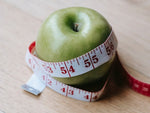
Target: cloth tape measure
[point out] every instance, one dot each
(43, 72)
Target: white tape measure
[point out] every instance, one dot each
(44, 71)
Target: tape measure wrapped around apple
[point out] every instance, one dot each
(72, 32)
(75, 46)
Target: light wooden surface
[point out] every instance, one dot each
(19, 24)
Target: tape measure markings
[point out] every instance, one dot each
(67, 69)
(56, 85)
(103, 52)
(44, 71)
(73, 92)
(138, 86)
(90, 60)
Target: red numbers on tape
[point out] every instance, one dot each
(95, 59)
(49, 82)
(48, 68)
(109, 47)
(71, 69)
(64, 71)
(44, 78)
(31, 63)
(86, 97)
(69, 91)
(88, 63)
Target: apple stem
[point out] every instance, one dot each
(76, 26)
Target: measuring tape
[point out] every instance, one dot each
(137, 85)
(45, 71)
(77, 66)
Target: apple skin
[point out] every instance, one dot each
(72, 32)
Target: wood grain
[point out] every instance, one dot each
(19, 25)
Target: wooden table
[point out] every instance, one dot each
(19, 24)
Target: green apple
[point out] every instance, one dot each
(72, 32)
